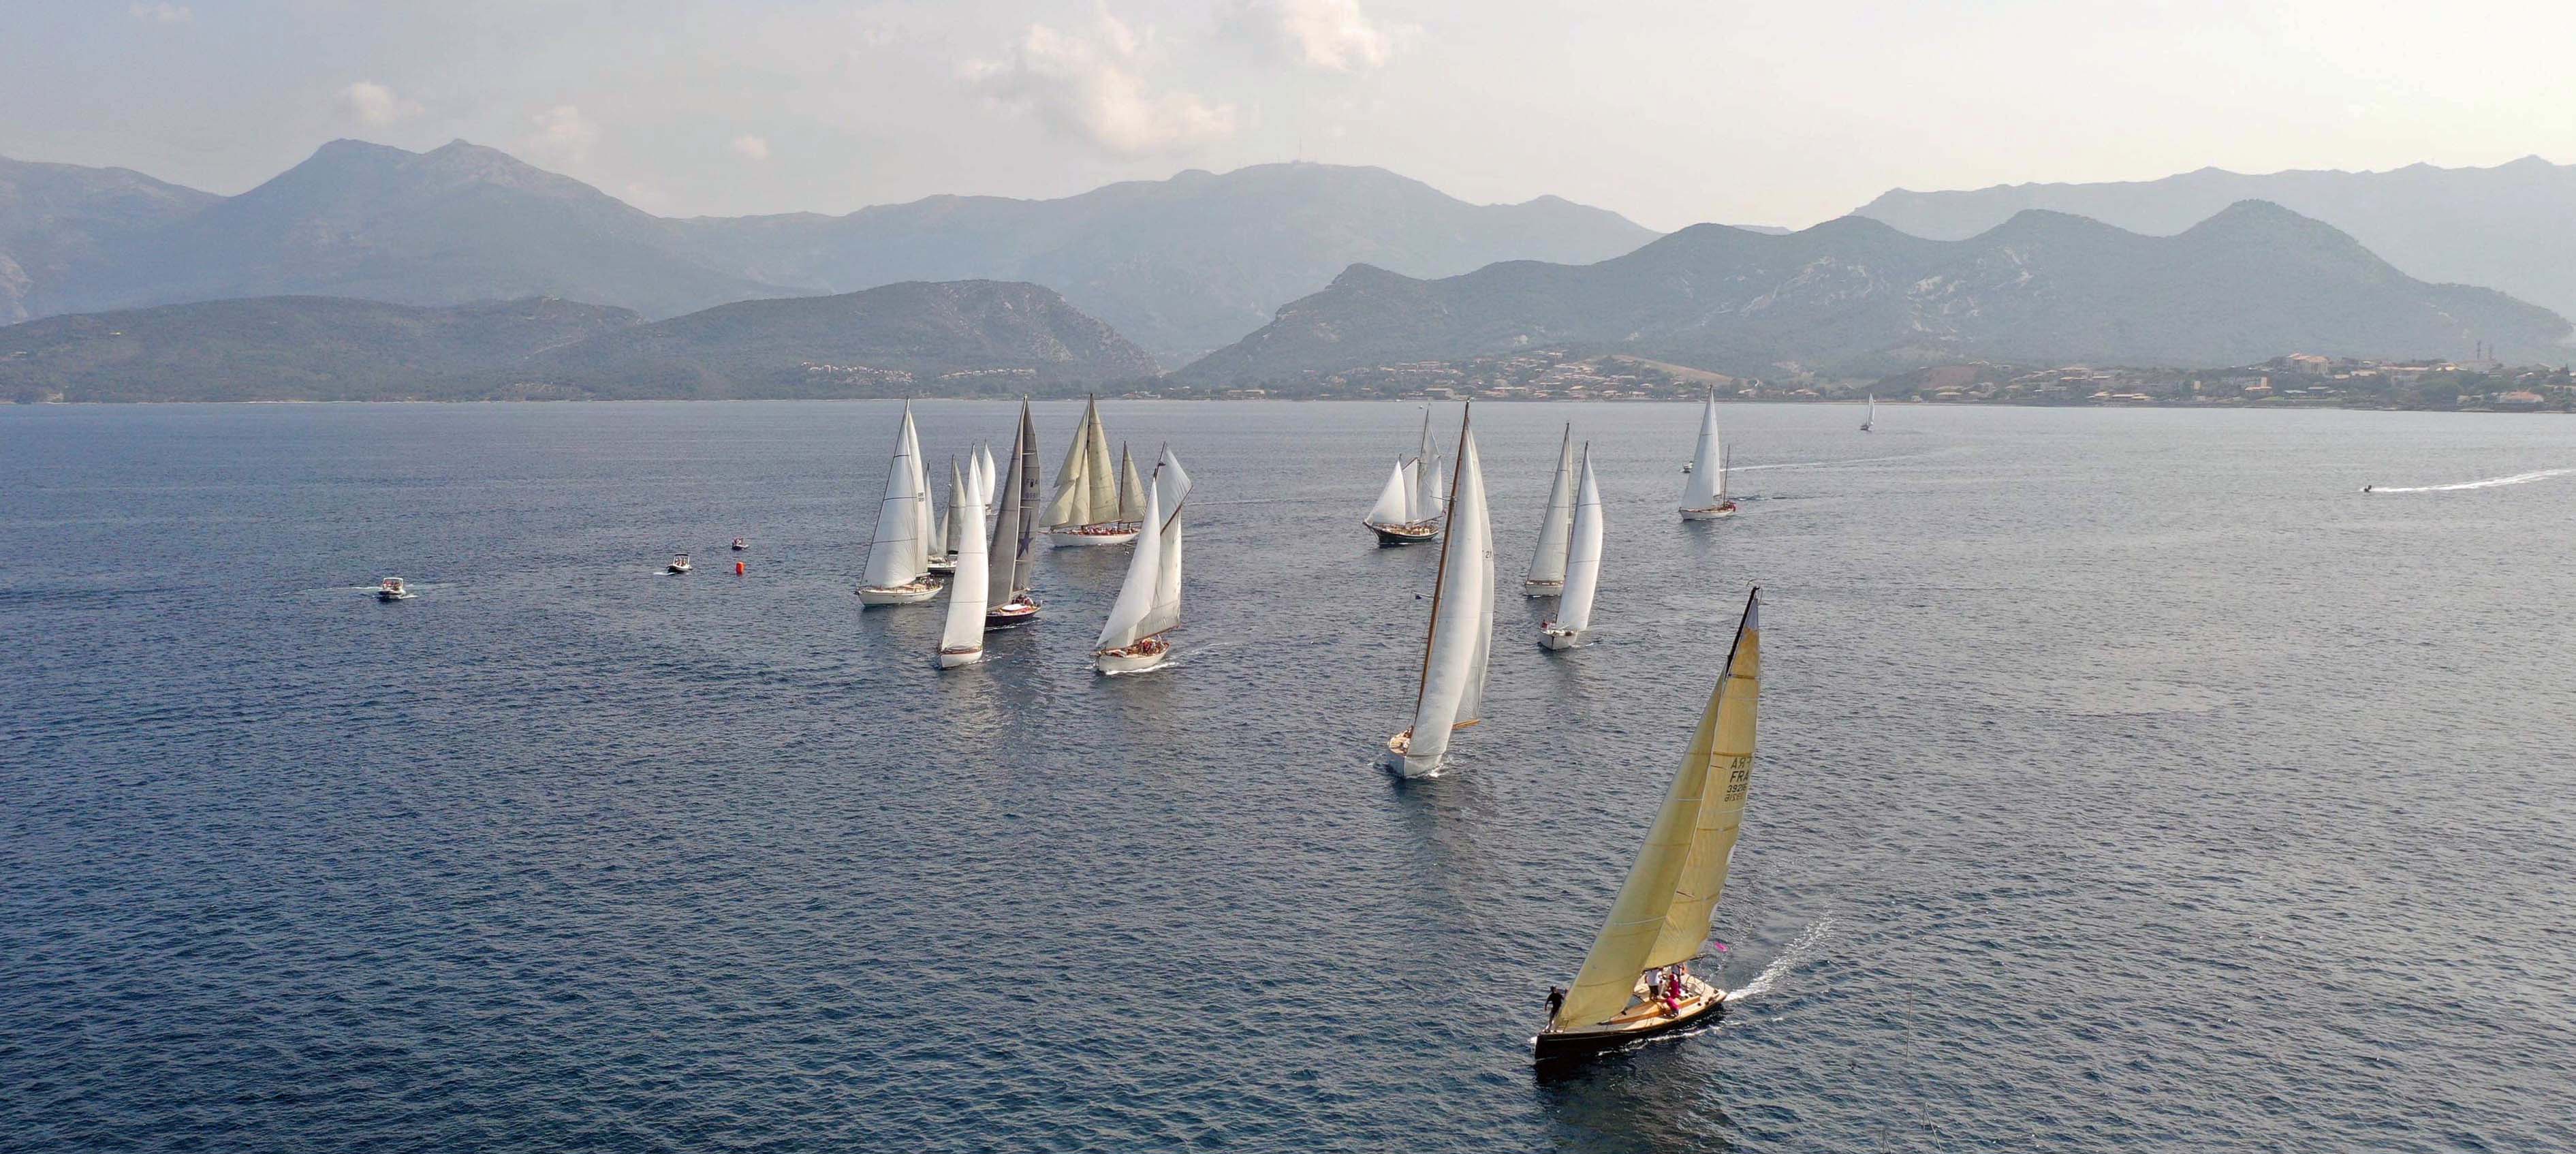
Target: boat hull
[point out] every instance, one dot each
(1563, 1045)
(1080, 539)
(943, 566)
(677, 568)
(1554, 638)
(951, 659)
(394, 596)
(1712, 513)
(1011, 614)
(912, 594)
(1399, 755)
(1403, 534)
(1120, 661)
(1537, 588)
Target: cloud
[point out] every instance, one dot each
(1329, 34)
(751, 147)
(562, 134)
(162, 13)
(1086, 85)
(376, 104)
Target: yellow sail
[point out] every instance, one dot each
(1721, 812)
(1630, 940)
(1071, 504)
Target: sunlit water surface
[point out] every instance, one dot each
(2127, 780)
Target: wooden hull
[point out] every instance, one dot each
(1712, 513)
(1089, 538)
(1565, 1045)
(1010, 614)
(1403, 534)
(1399, 754)
(1123, 661)
(1554, 638)
(1536, 588)
(912, 594)
(943, 566)
(951, 659)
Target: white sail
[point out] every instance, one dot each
(895, 554)
(1871, 417)
(1707, 483)
(1131, 489)
(1175, 488)
(1127, 615)
(1583, 562)
(964, 626)
(1684, 858)
(1071, 504)
(1547, 563)
(1395, 501)
(926, 530)
(1428, 476)
(987, 482)
(1453, 659)
(951, 525)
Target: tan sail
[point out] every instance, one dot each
(1631, 941)
(1131, 488)
(1071, 504)
(1099, 476)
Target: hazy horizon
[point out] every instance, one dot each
(1670, 116)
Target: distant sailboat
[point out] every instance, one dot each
(1704, 495)
(1395, 518)
(1013, 557)
(1660, 920)
(1547, 564)
(943, 550)
(1149, 602)
(1871, 417)
(898, 570)
(1573, 623)
(961, 633)
(1450, 695)
(1085, 508)
(988, 482)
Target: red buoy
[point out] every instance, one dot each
(737, 568)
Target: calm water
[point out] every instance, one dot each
(2127, 781)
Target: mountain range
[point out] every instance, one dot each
(1183, 265)
(1856, 296)
(2506, 227)
(893, 340)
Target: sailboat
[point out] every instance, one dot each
(1547, 564)
(1871, 417)
(1704, 495)
(1149, 602)
(898, 571)
(1573, 623)
(985, 482)
(1084, 510)
(943, 548)
(1660, 920)
(1013, 556)
(961, 633)
(1395, 518)
(1450, 695)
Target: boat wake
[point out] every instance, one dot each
(1734, 468)
(2489, 483)
(1798, 951)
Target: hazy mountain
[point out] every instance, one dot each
(1855, 295)
(54, 217)
(286, 348)
(895, 340)
(2505, 227)
(458, 223)
(1181, 265)
(1184, 264)
(898, 340)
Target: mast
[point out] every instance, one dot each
(1686, 846)
(1583, 564)
(1547, 563)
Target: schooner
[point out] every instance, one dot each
(898, 570)
(1013, 555)
(1573, 623)
(1086, 508)
(1450, 694)
(1408, 509)
(1704, 495)
(1547, 563)
(1149, 602)
(1636, 982)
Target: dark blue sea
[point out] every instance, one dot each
(2127, 780)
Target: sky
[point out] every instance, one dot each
(1670, 111)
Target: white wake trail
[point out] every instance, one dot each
(1798, 951)
(2489, 483)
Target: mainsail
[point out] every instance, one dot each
(1662, 913)
(1014, 557)
(1428, 491)
(1707, 483)
(1452, 689)
(925, 531)
(1547, 563)
(1583, 563)
(963, 629)
(895, 553)
(1175, 484)
(1127, 615)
